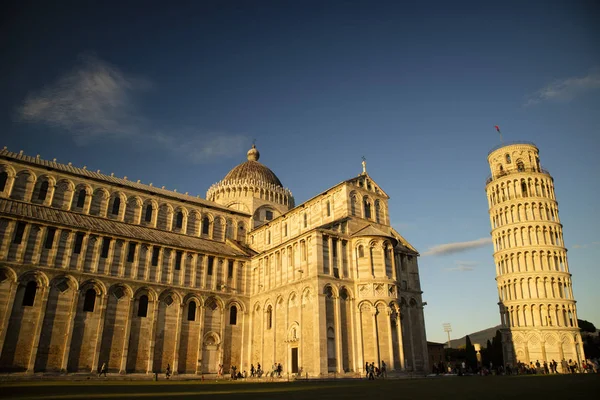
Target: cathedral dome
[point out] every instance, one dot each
(252, 170)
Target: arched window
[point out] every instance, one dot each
(43, 191)
(269, 317)
(378, 212)
(367, 208)
(89, 301)
(30, 291)
(520, 166)
(116, 206)
(205, 225)
(353, 205)
(508, 160)
(148, 214)
(361, 251)
(233, 315)
(143, 307)
(179, 221)
(524, 188)
(81, 198)
(3, 179)
(192, 311)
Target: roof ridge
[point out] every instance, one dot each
(114, 180)
(102, 225)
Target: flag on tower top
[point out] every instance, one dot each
(497, 128)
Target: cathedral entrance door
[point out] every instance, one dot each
(294, 360)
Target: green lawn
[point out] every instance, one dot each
(564, 387)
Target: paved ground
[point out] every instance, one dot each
(564, 387)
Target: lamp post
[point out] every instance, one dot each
(447, 329)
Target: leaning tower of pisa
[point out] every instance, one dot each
(537, 307)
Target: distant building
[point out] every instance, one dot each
(537, 306)
(436, 353)
(95, 268)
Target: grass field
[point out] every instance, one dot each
(563, 387)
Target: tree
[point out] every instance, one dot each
(497, 353)
(586, 326)
(471, 354)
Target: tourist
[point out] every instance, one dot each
(168, 371)
(383, 369)
(252, 370)
(103, 370)
(546, 370)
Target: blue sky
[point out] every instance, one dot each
(175, 93)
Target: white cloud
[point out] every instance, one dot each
(457, 247)
(566, 89)
(585, 246)
(463, 266)
(98, 100)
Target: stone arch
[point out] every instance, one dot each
(34, 275)
(149, 213)
(23, 184)
(347, 291)
(164, 216)
(218, 231)
(307, 295)
(166, 293)
(180, 218)
(63, 194)
(146, 290)
(61, 280)
(355, 209)
(133, 209)
(241, 231)
(82, 197)
(7, 273)
(217, 301)
(43, 190)
(116, 205)
(193, 223)
(99, 202)
(330, 290)
(236, 302)
(365, 306)
(211, 337)
(116, 288)
(367, 205)
(193, 297)
(206, 226)
(292, 299)
(95, 284)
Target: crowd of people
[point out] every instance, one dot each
(537, 367)
(373, 372)
(255, 372)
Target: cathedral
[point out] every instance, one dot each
(98, 269)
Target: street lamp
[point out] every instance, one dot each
(447, 329)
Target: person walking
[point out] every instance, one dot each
(168, 371)
(103, 370)
(252, 370)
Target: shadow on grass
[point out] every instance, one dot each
(463, 388)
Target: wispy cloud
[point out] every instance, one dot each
(566, 89)
(98, 100)
(585, 246)
(456, 247)
(462, 266)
